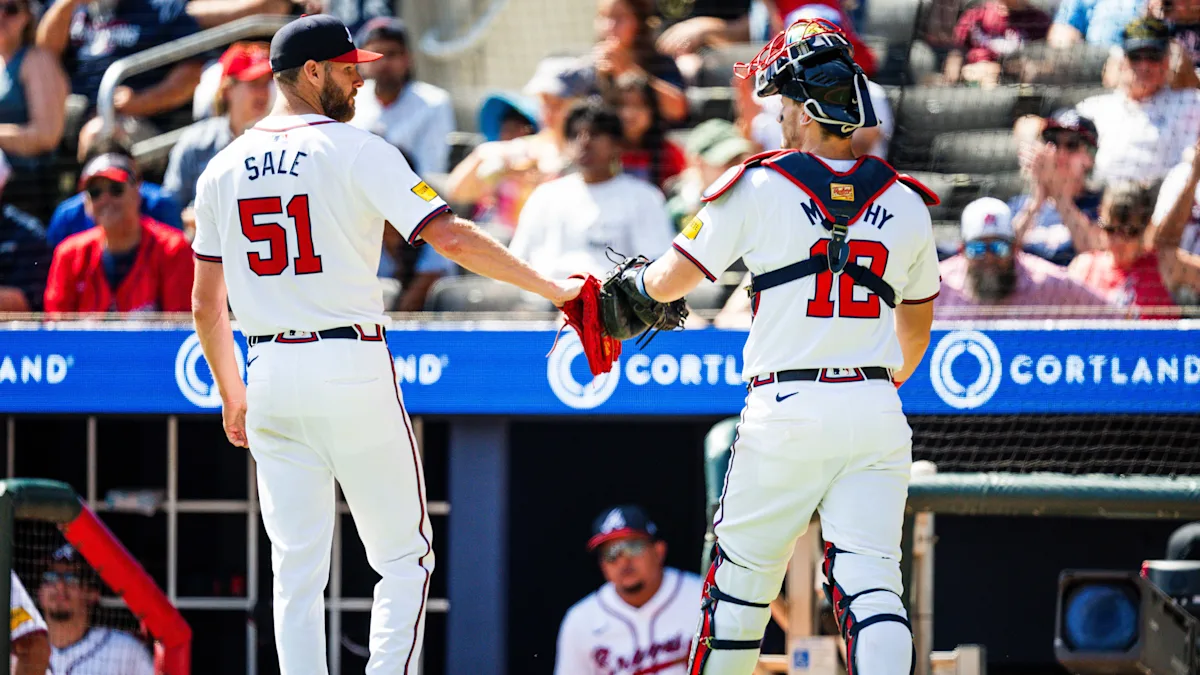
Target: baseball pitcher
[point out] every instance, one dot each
(289, 229)
(844, 274)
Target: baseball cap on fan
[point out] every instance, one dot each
(315, 37)
(1069, 119)
(620, 522)
(245, 62)
(112, 166)
(1145, 33)
(560, 76)
(987, 217)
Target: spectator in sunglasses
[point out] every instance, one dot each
(129, 263)
(1126, 271)
(69, 591)
(71, 217)
(643, 618)
(990, 273)
(1182, 19)
(1053, 219)
(1144, 126)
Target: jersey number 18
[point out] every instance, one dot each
(307, 262)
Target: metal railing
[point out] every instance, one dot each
(257, 26)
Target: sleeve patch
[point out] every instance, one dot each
(425, 192)
(18, 616)
(693, 228)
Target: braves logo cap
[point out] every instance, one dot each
(987, 217)
(316, 37)
(620, 522)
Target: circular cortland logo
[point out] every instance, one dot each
(564, 385)
(201, 392)
(941, 369)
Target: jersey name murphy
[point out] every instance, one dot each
(875, 214)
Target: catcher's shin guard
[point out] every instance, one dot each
(733, 649)
(865, 593)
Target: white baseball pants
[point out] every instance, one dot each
(324, 411)
(843, 450)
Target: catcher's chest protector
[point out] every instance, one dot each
(842, 198)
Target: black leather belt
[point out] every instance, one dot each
(828, 375)
(355, 332)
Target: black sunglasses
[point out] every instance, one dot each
(113, 189)
(68, 578)
(1071, 142)
(1145, 55)
(631, 547)
(1131, 230)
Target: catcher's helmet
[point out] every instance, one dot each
(812, 63)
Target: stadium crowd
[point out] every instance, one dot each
(1074, 206)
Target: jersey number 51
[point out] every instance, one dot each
(307, 262)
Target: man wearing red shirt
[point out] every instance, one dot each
(130, 263)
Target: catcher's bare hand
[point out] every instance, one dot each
(566, 290)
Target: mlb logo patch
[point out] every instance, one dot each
(841, 192)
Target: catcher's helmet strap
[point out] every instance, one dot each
(862, 115)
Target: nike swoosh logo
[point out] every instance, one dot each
(251, 361)
(779, 398)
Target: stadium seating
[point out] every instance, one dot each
(924, 112)
(987, 151)
(473, 294)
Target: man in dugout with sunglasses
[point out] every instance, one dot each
(130, 262)
(68, 594)
(991, 273)
(642, 619)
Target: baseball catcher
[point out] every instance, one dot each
(606, 314)
(844, 271)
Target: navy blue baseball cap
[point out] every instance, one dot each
(621, 522)
(316, 37)
(1069, 119)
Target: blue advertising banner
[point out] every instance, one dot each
(447, 370)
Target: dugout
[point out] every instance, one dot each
(512, 497)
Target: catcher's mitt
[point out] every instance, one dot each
(627, 311)
(605, 314)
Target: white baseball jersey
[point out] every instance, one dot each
(103, 651)
(602, 635)
(23, 616)
(820, 321)
(295, 209)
